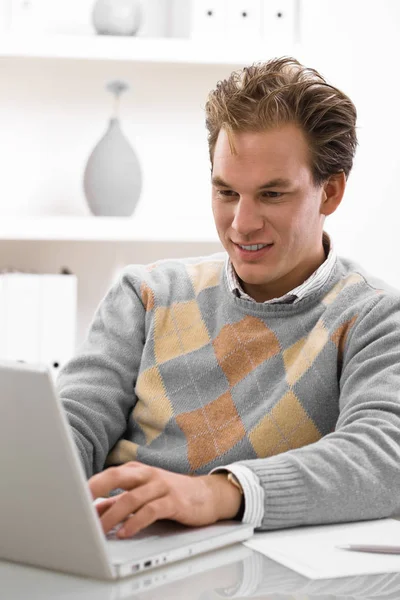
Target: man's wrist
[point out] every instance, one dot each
(227, 497)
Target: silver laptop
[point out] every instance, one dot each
(47, 515)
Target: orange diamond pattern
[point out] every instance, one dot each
(212, 430)
(339, 337)
(147, 296)
(242, 346)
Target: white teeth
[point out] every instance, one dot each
(253, 247)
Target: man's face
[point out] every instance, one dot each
(265, 195)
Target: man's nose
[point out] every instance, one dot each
(248, 217)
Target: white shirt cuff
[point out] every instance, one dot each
(252, 490)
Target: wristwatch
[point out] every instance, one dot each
(234, 481)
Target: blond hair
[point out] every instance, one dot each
(279, 92)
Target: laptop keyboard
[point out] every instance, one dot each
(141, 535)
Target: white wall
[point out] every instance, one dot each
(356, 44)
(53, 112)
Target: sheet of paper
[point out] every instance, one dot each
(313, 552)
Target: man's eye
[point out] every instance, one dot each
(226, 192)
(271, 194)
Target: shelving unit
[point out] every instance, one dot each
(146, 50)
(105, 50)
(105, 229)
(57, 86)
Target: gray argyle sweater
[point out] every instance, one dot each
(179, 373)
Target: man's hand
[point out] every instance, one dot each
(152, 494)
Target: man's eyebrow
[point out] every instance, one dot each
(216, 180)
(279, 182)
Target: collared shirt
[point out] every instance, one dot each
(252, 489)
(311, 285)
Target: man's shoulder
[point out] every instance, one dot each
(358, 282)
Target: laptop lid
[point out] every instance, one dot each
(48, 518)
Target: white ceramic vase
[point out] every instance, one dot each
(117, 17)
(113, 177)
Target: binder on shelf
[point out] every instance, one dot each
(244, 19)
(57, 316)
(209, 18)
(278, 22)
(21, 322)
(38, 318)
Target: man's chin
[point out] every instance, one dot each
(250, 273)
(251, 280)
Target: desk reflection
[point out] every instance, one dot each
(235, 572)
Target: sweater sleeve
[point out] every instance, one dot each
(97, 385)
(352, 473)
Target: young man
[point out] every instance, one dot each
(263, 383)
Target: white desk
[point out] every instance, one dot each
(235, 572)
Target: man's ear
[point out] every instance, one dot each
(332, 193)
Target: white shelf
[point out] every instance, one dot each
(147, 50)
(113, 229)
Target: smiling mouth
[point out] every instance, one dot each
(253, 247)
